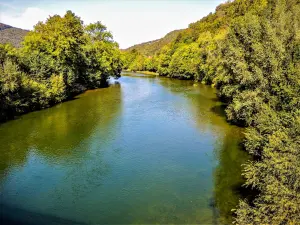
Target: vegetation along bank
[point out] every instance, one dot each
(57, 60)
(250, 51)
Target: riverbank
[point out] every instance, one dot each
(143, 72)
(45, 71)
(9, 114)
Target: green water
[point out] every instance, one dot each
(146, 150)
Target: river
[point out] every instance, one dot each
(146, 150)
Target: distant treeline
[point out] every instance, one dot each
(57, 60)
(250, 51)
(152, 47)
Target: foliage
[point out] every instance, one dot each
(98, 31)
(250, 51)
(270, 73)
(152, 47)
(185, 62)
(58, 59)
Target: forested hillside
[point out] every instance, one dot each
(58, 59)
(152, 47)
(250, 51)
(12, 35)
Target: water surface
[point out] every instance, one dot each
(146, 150)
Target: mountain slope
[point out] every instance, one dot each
(12, 35)
(152, 47)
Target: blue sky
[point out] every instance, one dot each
(130, 21)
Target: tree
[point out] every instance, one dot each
(55, 47)
(58, 59)
(98, 32)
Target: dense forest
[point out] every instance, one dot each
(249, 51)
(57, 60)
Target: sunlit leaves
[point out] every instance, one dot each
(59, 58)
(249, 50)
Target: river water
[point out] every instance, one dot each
(146, 150)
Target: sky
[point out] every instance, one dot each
(130, 21)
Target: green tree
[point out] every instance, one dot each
(98, 32)
(58, 59)
(56, 47)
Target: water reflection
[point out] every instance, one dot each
(227, 176)
(208, 113)
(55, 132)
(57, 153)
(154, 151)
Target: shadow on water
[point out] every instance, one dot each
(55, 144)
(209, 115)
(219, 110)
(56, 131)
(228, 178)
(63, 150)
(15, 216)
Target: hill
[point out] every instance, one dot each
(4, 26)
(151, 47)
(9, 34)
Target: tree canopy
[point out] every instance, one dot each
(249, 50)
(58, 59)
